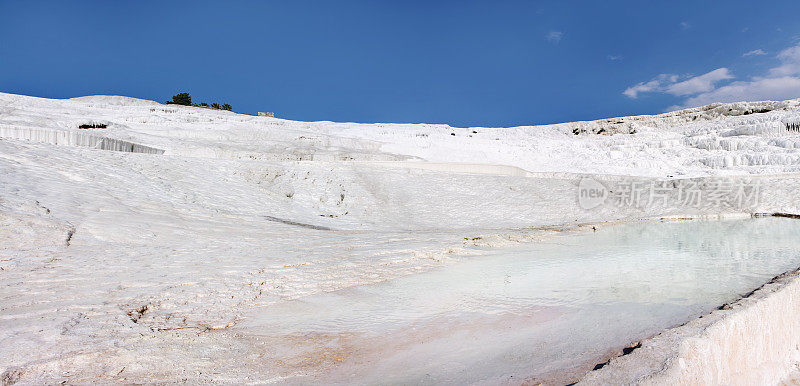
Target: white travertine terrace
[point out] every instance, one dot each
(122, 267)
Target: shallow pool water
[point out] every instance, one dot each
(540, 312)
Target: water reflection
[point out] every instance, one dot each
(544, 311)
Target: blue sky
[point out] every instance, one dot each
(464, 63)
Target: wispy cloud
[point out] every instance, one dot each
(554, 36)
(698, 84)
(614, 58)
(668, 83)
(684, 25)
(790, 62)
(754, 53)
(655, 84)
(780, 82)
(754, 90)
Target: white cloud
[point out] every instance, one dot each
(790, 62)
(668, 83)
(754, 53)
(633, 91)
(755, 90)
(685, 25)
(554, 36)
(655, 84)
(698, 84)
(614, 58)
(780, 82)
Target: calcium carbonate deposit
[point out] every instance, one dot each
(165, 243)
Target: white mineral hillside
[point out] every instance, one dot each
(130, 253)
